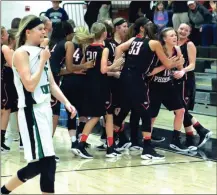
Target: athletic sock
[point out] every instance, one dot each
(110, 141)
(83, 138)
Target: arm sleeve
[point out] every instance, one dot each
(166, 17)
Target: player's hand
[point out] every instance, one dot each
(45, 54)
(71, 109)
(117, 74)
(178, 74)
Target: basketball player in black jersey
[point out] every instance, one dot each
(97, 99)
(6, 86)
(61, 55)
(163, 91)
(185, 81)
(73, 88)
(112, 41)
(141, 55)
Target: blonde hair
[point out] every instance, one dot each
(21, 36)
(2, 29)
(84, 37)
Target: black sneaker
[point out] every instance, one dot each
(150, 153)
(81, 151)
(205, 135)
(102, 147)
(177, 145)
(190, 142)
(4, 148)
(136, 147)
(157, 139)
(123, 146)
(112, 152)
(74, 144)
(57, 159)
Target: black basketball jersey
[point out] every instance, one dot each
(140, 57)
(111, 44)
(164, 76)
(94, 52)
(189, 75)
(57, 58)
(6, 72)
(78, 54)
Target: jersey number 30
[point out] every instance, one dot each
(135, 48)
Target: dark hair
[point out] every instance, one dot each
(15, 23)
(135, 28)
(60, 32)
(109, 29)
(158, 3)
(151, 31)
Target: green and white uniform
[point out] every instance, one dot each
(35, 114)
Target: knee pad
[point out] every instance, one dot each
(29, 172)
(187, 120)
(48, 169)
(72, 123)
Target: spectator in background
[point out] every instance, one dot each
(210, 29)
(180, 13)
(56, 13)
(138, 9)
(72, 23)
(93, 8)
(200, 18)
(160, 16)
(15, 23)
(47, 26)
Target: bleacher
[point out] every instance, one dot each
(206, 80)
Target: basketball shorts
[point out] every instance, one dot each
(36, 126)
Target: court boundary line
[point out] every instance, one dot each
(121, 167)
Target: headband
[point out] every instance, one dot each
(120, 22)
(33, 24)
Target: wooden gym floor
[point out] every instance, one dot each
(129, 174)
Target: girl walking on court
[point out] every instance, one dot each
(35, 84)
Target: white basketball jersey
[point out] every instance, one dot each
(42, 90)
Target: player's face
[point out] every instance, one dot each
(4, 37)
(36, 35)
(69, 37)
(171, 38)
(123, 29)
(184, 31)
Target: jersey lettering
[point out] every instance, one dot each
(113, 46)
(91, 55)
(45, 89)
(167, 73)
(135, 48)
(53, 48)
(76, 55)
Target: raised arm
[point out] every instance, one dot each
(21, 62)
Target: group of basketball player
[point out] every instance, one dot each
(109, 71)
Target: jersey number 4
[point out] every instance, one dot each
(135, 48)
(76, 55)
(91, 55)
